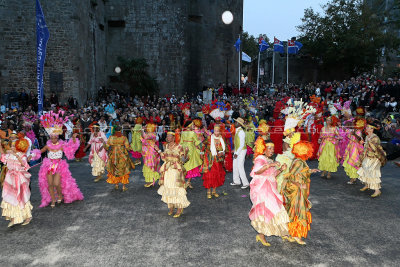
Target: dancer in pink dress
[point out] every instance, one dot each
(268, 215)
(54, 172)
(15, 204)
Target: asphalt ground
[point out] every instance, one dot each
(132, 228)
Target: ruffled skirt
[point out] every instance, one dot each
(327, 159)
(193, 173)
(69, 187)
(215, 177)
(18, 214)
(124, 179)
(228, 162)
(150, 176)
(277, 226)
(172, 194)
(370, 173)
(136, 155)
(300, 228)
(98, 165)
(350, 170)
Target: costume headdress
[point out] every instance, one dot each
(218, 110)
(303, 150)
(29, 118)
(151, 127)
(22, 145)
(139, 120)
(263, 127)
(53, 122)
(198, 123)
(295, 112)
(185, 108)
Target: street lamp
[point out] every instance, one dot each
(117, 70)
(227, 17)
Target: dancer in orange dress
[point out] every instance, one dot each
(119, 164)
(296, 189)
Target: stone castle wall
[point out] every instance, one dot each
(184, 41)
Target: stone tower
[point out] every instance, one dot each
(184, 41)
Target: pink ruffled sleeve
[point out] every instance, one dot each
(36, 154)
(69, 148)
(258, 164)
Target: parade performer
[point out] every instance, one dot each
(229, 131)
(7, 142)
(372, 158)
(136, 143)
(82, 139)
(172, 181)
(16, 206)
(119, 164)
(268, 215)
(190, 143)
(213, 163)
(151, 159)
(328, 154)
(54, 171)
(98, 155)
(296, 190)
(352, 153)
(250, 136)
(239, 174)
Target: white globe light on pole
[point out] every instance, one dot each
(117, 70)
(227, 17)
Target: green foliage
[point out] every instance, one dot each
(134, 74)
(250, 44)
(349, 35)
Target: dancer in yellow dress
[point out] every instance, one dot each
(172, 181)
(328, 154)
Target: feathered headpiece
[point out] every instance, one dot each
(295, 112)
(263, 127)
(53, 122)
(206, 109)
(29, 118)
(22, 145)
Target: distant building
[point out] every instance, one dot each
(185, 43)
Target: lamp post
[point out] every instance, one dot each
(227, 18)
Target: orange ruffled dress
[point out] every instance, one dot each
(296, 198)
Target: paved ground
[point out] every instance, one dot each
(133, 229)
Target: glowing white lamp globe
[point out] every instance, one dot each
(117, 69)
(227, 17)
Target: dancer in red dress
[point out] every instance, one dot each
(213, 165)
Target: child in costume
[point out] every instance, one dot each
(328, 153)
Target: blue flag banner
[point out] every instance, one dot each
(263, 45)
(237, 45)
(42, 36)
(294, 47)
(246, 57)
(278, 46)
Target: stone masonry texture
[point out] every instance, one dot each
(185, 43)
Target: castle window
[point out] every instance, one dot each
(195, 18)
(116, 23)
(101, 27)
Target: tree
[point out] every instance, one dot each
(134, 74)
(250, 44)
(347, 36)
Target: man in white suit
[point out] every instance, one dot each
(239, 174)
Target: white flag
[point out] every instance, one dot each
(246, 57)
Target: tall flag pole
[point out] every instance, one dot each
(238, 49)
(42, 36)
(278, 47)
(293, 47)
(287, 62)
(263, 45)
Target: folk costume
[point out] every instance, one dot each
(98, 155)
(268, 215)
(239, 174)
(172, 181)
(54, 164)
(151, 159)
(119, 164)
(16, 206)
